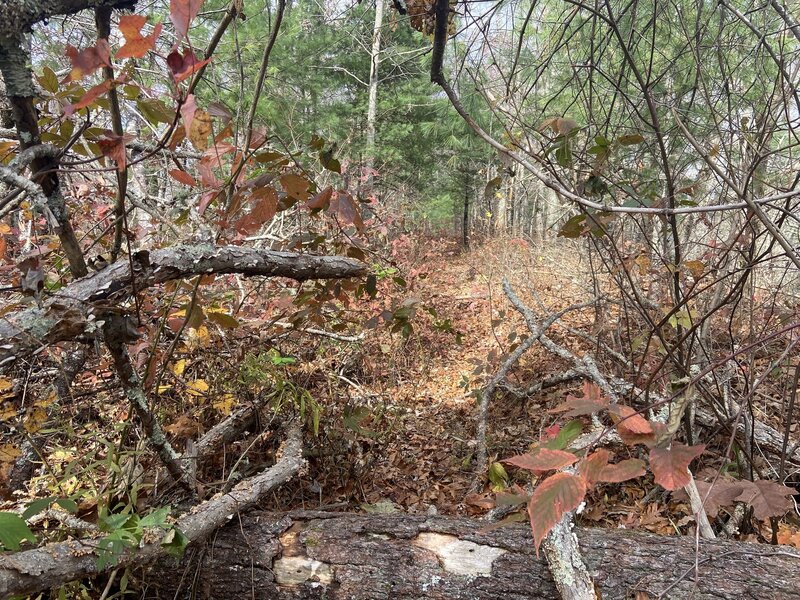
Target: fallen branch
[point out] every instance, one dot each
(33, 571)
(68, 313)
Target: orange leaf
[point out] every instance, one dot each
(671, 465)
(113, 146)
(555, 496)
(344, 206)
(542, 460)
(591, 467)
(629, 420)
(136, 44)
(265, 208)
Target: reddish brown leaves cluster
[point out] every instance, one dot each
(591, 403)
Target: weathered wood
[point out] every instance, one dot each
(336, 556)
(69, 312)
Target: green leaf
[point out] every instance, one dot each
(48, 80)
(498, 476)
(13, 530)
(155, 111)
(157, 518)
(566, 435)
(175, 542)
(573, 228)
(37, 506)
(68, 505)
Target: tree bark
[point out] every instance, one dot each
(67, 314)
(336, 556)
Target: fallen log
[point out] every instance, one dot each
(336, 556)
(68, 313)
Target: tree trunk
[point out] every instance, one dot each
(372, 105)
(337, 556)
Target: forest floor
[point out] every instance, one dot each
(420, 395)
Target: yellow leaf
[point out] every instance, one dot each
(6, 385)
(225, 404)
(198, 387)
(8, 453)
(200, 130)
(7, 411)
(163, 389)
(35, 419)
(179, 367)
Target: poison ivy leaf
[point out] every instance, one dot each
(183, 177)
(37, 506)
(671, 465)
(542, 460)
(574, 227)
(565, 436)
(155, 111)
(552, 498)
(87, 61)
(630, 140)
(591, 467)
(629, 421)
(296, 186)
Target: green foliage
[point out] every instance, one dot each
(264, 373)
(125, 530)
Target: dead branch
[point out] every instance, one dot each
(68, 313)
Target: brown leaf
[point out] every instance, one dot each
(344, 207)
(296, 186)
(183, 177)
(622, 471)
(768, 498)
(266, 205)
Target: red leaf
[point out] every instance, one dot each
(265, 208)
(182, 13)
(86, 61)
(622, 471)
(591, 467)
(184, 66)
(89, 97)
(671, 466)
(542, 459)
(183, 177)
(136, 44)
(552, 498)
(591, 402)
